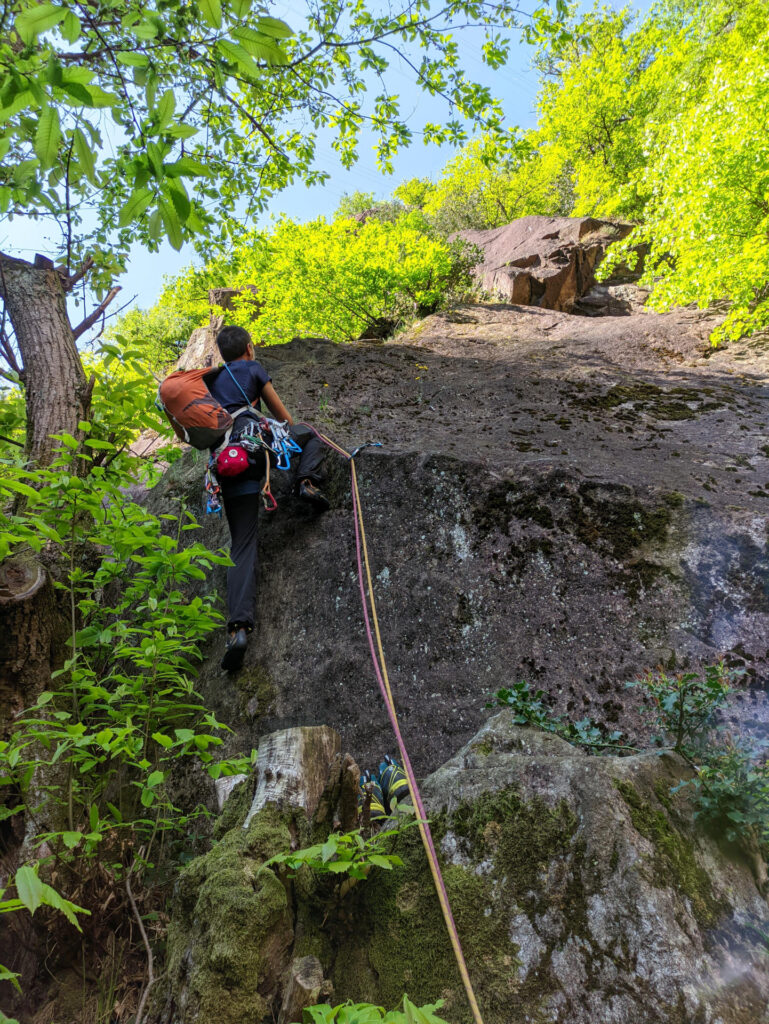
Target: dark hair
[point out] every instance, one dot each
(232, 342)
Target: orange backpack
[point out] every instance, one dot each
(196, 416)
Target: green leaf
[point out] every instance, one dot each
(47, 137)
(329, 848)
(85, 159)
(165, 107)
(171, 224)
(181, 131)
(35, 20)
(235, 54)
(155, 779)
(241, 7)
(162, 739)
(71, 839)
(211, 11)
(259, 45)
(6, 975)
(275, 28)
(380, 862)
(132, 60)
(186, 167)
(147, 798)
(137, 203)
(178, 195)
(338, 866)
(146, 30)
(70, 27)
(19, 488)
(29, 888)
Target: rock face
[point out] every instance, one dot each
(581, 895)
(580, 889)
(543, 261)
(564, 500)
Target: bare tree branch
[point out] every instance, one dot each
(70, 282)
(91, 319)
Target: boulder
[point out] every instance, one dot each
(612, 300)
(543, 261)
(581, 891)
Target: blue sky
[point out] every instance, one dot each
(515, 85)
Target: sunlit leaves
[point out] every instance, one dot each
(211, 11)
(202, 90)
(137, 203)
(38, 18)
(47, 137)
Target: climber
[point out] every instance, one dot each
(244, 378)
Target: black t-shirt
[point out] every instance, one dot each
(251, 378)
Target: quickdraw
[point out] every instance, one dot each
(259, 433)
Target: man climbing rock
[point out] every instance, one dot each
(244, 380)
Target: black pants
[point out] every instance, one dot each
(242, 511)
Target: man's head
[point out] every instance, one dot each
(233, 342)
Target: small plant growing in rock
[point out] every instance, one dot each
(685, 705)
(369, 1013)
(733, 785)
(529, 708)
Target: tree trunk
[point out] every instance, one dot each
(33, 635)
(57, 393)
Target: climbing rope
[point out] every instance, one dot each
(380, 669)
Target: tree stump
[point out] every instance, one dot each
(294, 767)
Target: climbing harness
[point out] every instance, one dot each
(380, 670)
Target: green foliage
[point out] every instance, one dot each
(705, 181)
(530, 708)
(335, 279)
(204, 98)
(685, 705)
(732, 787)
(97, 753)
(485, 186)
(368, 1013)
(160, 333)
(32, 893)
(347, 853)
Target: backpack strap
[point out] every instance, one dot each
(226, 439)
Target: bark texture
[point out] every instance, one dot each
(57, 393)
(33, 630)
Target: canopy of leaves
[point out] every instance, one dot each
(332, 280)
(662, 123)
(128, 120)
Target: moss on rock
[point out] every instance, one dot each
(232, 927)
(674, 861)
(503, 847)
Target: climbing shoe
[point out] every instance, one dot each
(369, 785)
(310, 492)
(235, 650)
(393, 781)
